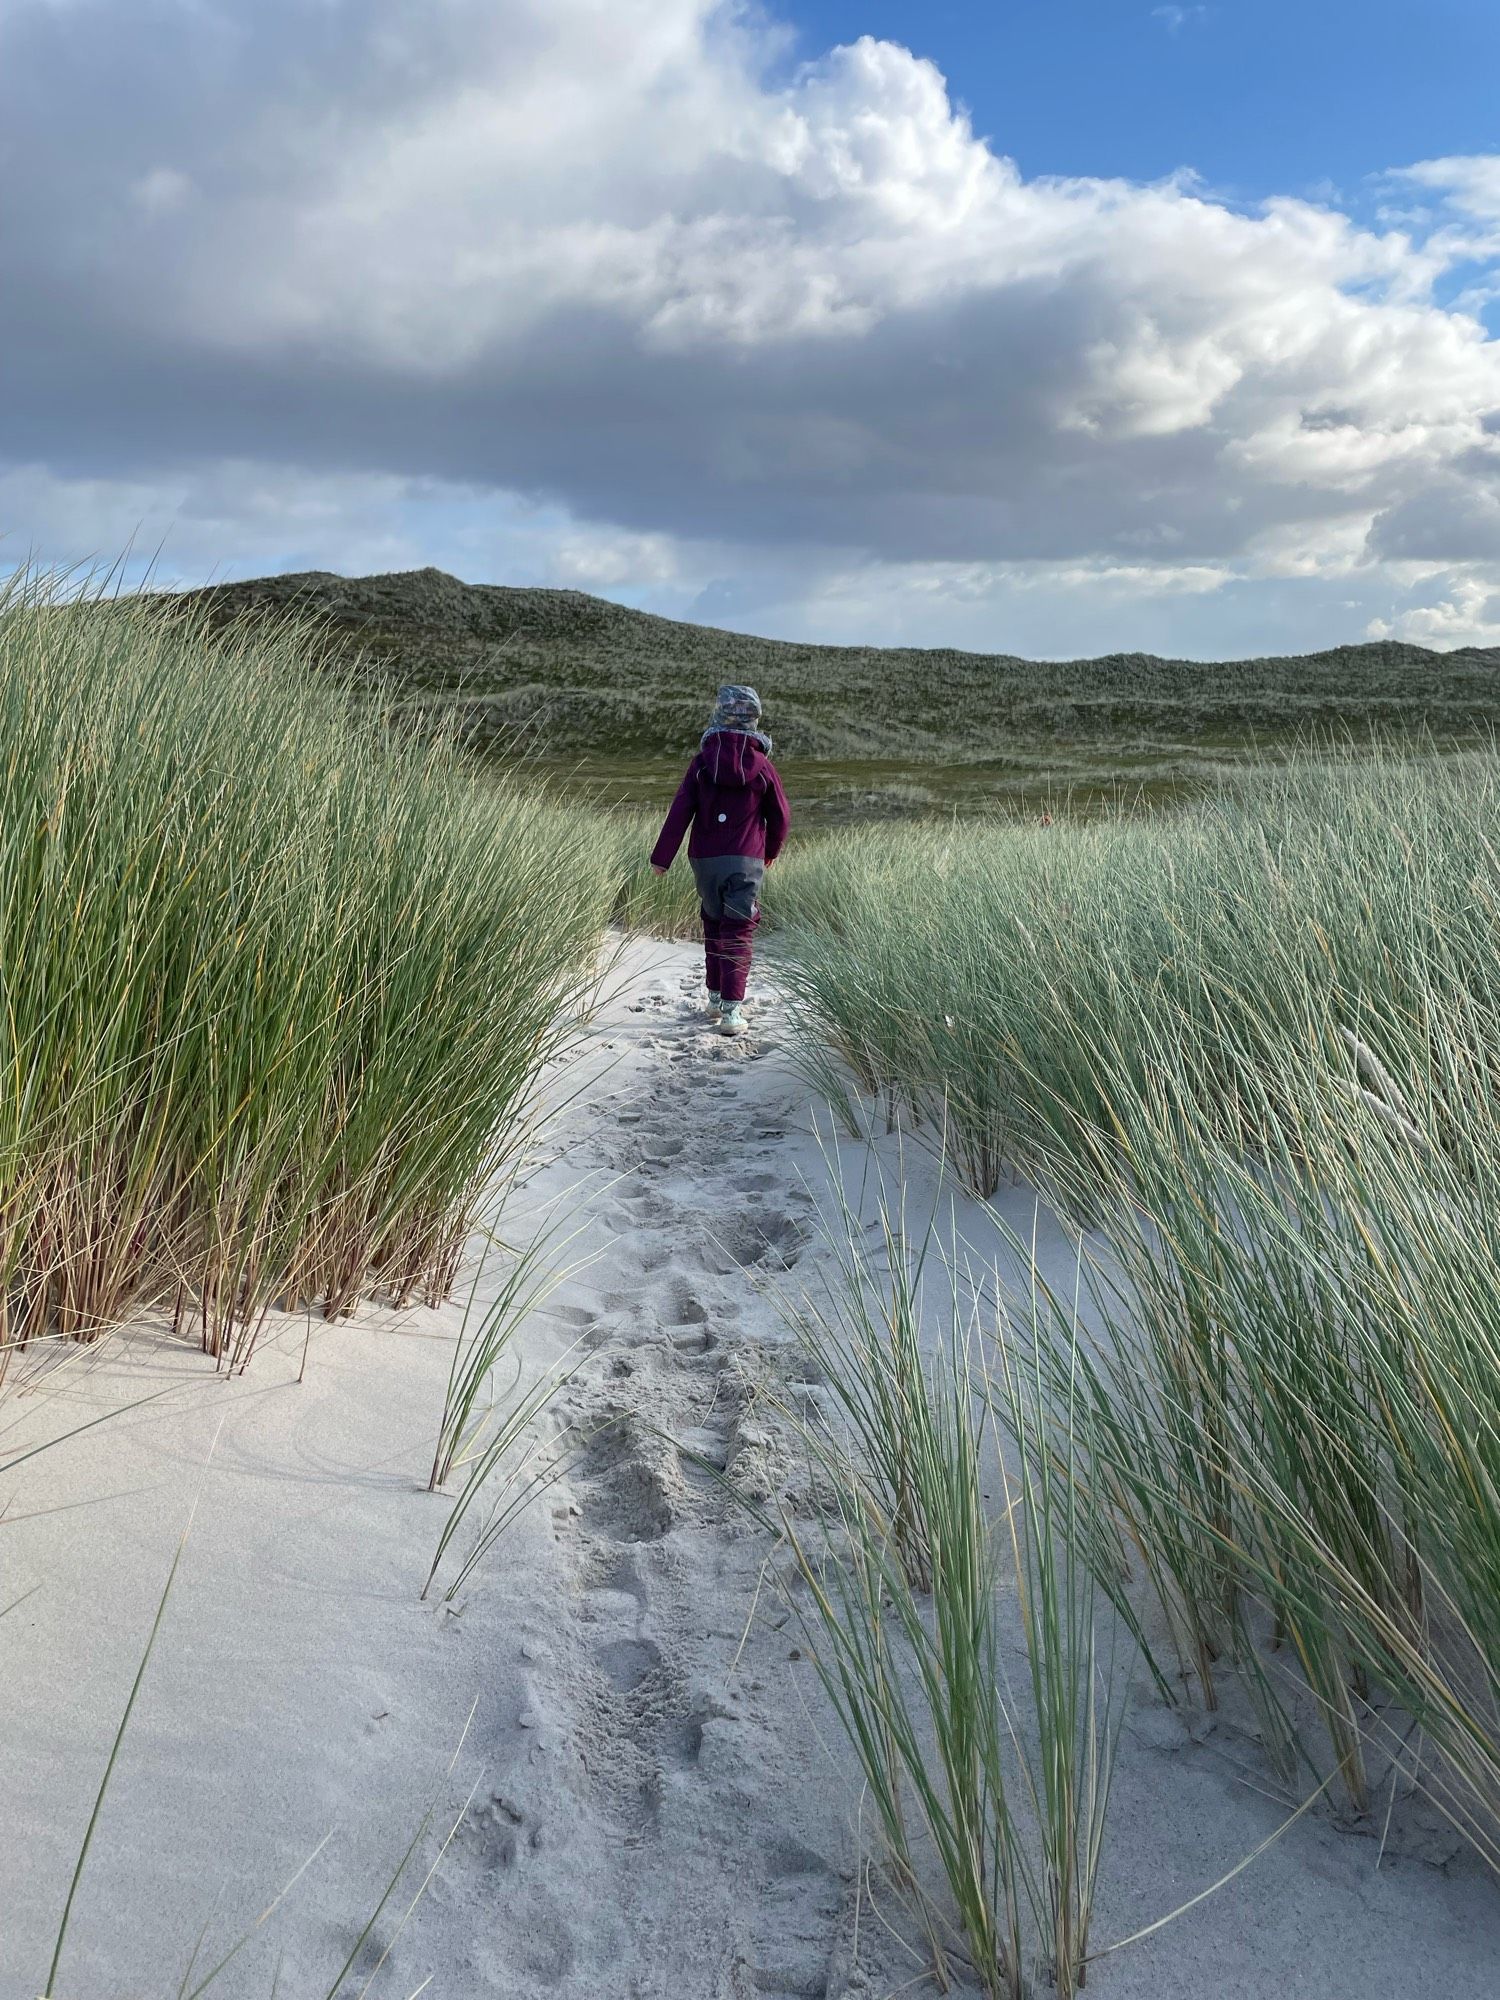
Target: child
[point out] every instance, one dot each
(733, 800)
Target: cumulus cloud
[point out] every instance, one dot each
(1457, 520)
(1464, 611)
(614, 266)
(271, 516)
(1470, 184)
(602, 561)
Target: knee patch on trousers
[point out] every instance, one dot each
(739, 899)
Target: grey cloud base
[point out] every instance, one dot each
(608, 259)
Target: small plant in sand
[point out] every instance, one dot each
(481, 1427)
(911, 1597)
(514, 1465)
(486, 1332)
(862, 1331)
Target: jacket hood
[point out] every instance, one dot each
(731, 759)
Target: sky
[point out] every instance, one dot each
(1258, 97)
(1042, 326)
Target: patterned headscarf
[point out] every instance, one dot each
(738, 710)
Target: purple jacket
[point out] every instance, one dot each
(732, 798)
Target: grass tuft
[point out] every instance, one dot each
(992, 1798)
(276, 981)
(1254, 1049)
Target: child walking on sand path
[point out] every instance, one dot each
(732, 799)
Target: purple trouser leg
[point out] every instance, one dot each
(728, 886)
(713, 959)
(732, 950)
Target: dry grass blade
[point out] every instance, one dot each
(530, 1279)
(119, 1737)
(264, 1918)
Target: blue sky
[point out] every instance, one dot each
(1259, 96)
(1046, 328)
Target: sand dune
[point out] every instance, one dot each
(650, 1797)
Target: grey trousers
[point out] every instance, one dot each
(729, 894)
(729, 885)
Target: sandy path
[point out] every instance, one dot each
(660, 1809)
(651, 1816)
(671, 1738)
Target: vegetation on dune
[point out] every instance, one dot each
(988, 1785)
(1253, 1046)
(1296, 1401)
(1019, 985)
(277, 981)
(612, 698)
(281, 971)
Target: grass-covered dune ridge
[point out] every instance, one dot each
(622, 693)
(276, 981)
(1254, 1047)
(1030, 979)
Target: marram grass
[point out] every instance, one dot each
(1011, 986)
(991, 1787)
(276, 984)
(1255, 1047)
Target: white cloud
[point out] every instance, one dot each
(979, 582)
(242, 518)
(161, 190)
(603, 561)
(1467, 615)
(235, 517)
(1470, 184)
(605, 274)
(1175, 19)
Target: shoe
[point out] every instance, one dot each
(732, 1021)
(715, 1002)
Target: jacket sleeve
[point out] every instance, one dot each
(679, 818)
(776, 813)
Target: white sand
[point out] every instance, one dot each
(664, 1807)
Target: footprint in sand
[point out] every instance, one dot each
(625, 1663)
(658, 1147)
(694, 1341)
(649, 1256)
(493, 1832)
(799, 1903)
(767, 1237)
(646, 1210)
(704, 1451)
(685, 1308)
(631, 1483)
(611, 1572)
(575, 1316)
